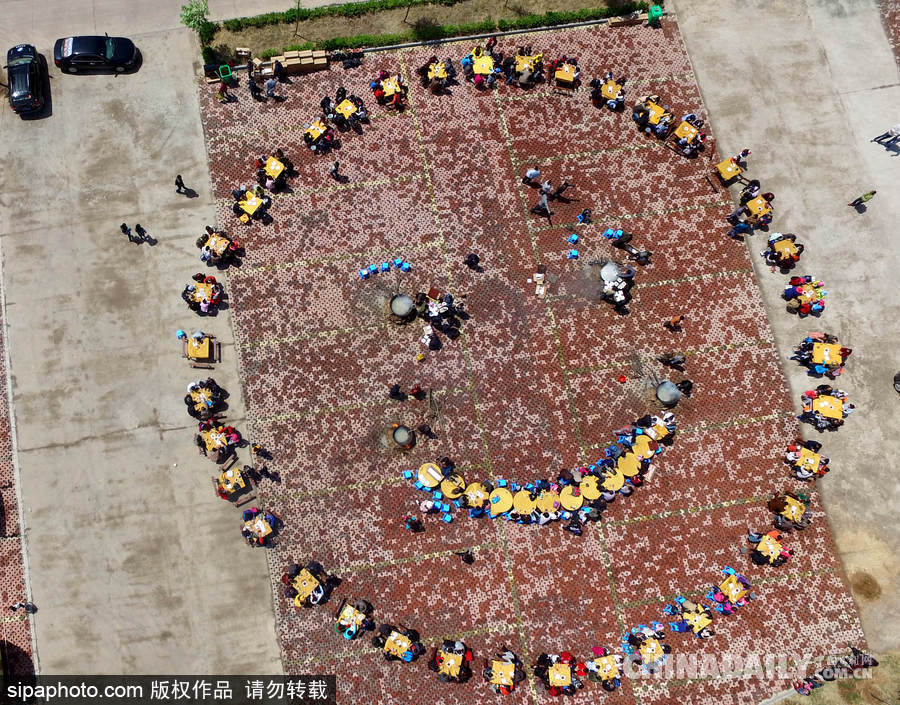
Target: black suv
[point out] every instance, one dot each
(26, 71)
(75, 54)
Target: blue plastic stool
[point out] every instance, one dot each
(447, 518)
(407, 474)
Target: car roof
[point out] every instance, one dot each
(89, 45)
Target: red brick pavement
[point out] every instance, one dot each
(528, 389)
(890, 15)
(15, 627)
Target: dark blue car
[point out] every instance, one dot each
(26, 70)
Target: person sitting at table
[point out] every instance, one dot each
(762, 559)
(327, 105)
(750, 191)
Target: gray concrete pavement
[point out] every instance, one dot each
(136, 565)
(806, 84)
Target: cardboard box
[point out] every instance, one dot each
(288, 55)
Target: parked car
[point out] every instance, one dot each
(26, 71)
(77, 54)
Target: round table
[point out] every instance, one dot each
(476, 493)
(629, 465)
(453, 486)
(548, 501)
(569, 500)
(590, 487)
(501, 501)
(523, 502)
(614, 483)
(644, 447)
(426, 478)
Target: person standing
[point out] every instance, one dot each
(530, 175)
(334, 171)
(674, 323)
(865, 198)
(179, 184)
(270, 87)
(126, 231)
(543, 206)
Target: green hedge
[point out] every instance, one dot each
(435, 31)
(346, 10)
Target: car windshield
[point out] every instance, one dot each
(19, 60)
(110, 48)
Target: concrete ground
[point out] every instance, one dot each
(135, 565)
(806, 85)
(44, 22)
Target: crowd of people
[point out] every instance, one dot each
(825, 407)
(582, 494)
(822, 354)
(576, 496)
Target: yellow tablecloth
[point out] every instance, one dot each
(274, 167)
(201, 291)
(524, 63)
(198, 349)
(697, 620)
(607, 668)
(351, 617)
(758, 207)
(728, 169)
(808, 294)
(346, 108)
(214, 440)
(610, 90)
(655, 112)
(483, 64)
(569, 500)
(614, 482)
(305, 583)
(453, 486)
(829, 407)
(769, 547)
(231, 481)
(251, 203)
(259, 526)
(687, 130)
(437, 70)
(548, 501)
(643, 447)
(200, 397)
(560, 674)
(429, 474)
(651, 650)
(523, 503)
(502, 672)
(397, 644)
(565, 74)
(316, 130)
(590, 488)
(732, 589)
(476, 493)
(501, 501)
(809, 460)
(794, 509)
(391, 86)
(450, 664)
(827, 354)
(785, 249)
(218, 244)
(629, 465)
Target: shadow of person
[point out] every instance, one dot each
(190, 193)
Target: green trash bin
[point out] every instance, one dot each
(225, 72)
(654, 15)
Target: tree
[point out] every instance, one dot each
(194, 15)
